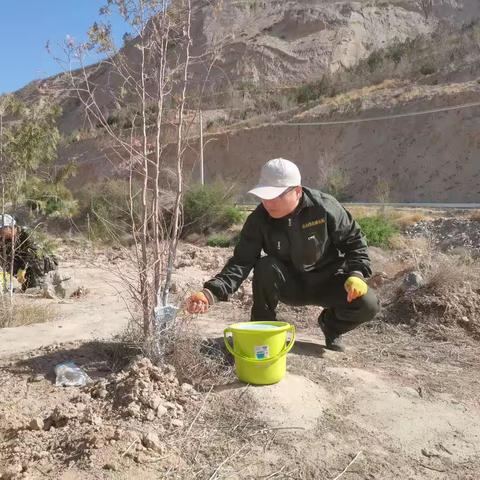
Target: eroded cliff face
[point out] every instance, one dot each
(286, 42)
(276, 42)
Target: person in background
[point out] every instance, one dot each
(304, 249)
(18, 249)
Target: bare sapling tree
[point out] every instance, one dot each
(334, 179)
(149, 86)
(382, 193)
(426, 6)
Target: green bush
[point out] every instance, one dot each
(219, 241)
(53, 200)
(313, 91)
(378, 230)
(233, 215)
(209, 207)
(105, 209)
(427, 69)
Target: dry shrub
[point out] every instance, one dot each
(399, 242)
(359, 211)
(201, 362)
(450, 296)
(475, 216)
(404, 219)
(18, 314)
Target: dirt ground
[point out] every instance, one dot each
(397, 404)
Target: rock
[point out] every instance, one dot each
(36, 378)
(154, 402)
(177, 423)
(36, 424)
(152, 441)
(161, 411)
(141, 458)
(129, 436)
(150, 416)
(12, 471)
(59, 283)
(62, 414)
(169, 405)
(133, 410)
(187, 388)
(102, 393)
(413, 280)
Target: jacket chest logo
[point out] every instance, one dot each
(313, 223)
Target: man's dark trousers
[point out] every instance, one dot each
(275, 281)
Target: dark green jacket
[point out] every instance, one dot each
(319, 236)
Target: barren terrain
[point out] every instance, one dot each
(401, 403)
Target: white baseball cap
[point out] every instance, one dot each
(276, 176)
(7, 221)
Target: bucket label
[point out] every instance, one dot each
(262, 352)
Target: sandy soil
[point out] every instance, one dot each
(394, 406)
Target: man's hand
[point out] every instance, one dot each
(356, 288)
(197, 303)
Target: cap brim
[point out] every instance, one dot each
(267, 193)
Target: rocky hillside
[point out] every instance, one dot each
(280, 53)
(271, 42)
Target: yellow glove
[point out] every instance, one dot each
(21, 275)
(356, 288)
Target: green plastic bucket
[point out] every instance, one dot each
(260, 350)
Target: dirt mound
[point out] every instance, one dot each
(449, 233)
(295, 402)
(110, 414)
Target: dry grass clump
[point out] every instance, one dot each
(201, 362)
(475, 216)
(18, 314)
(449, 296)
(359, 211)
(404, 219)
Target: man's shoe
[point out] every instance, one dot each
(333, 341)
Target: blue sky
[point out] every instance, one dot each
(25, 28)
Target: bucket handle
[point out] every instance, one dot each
(286, 349)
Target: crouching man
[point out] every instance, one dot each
(18, 249)
(315, 252)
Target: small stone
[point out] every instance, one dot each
(150, 416)
(36, 424)
(177, 423)
(36, 378)
(102, 393)
(154, 401)
(187, 388)
(161, 411)
(133, 410)
(413, 280)
(129, 436)
(152, 441)
(141, 458)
